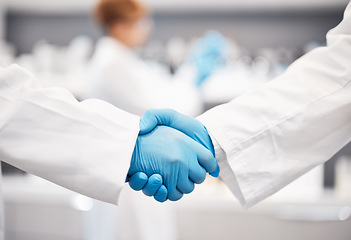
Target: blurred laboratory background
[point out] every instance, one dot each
(200, 54)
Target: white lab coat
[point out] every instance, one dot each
(83, 146)
(118, 76)
(270, 136)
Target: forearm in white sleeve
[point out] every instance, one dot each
(85, 147)
(270, 136)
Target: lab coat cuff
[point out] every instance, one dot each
(120, 127)
(229, 163)
(124, 168)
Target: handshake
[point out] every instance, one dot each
(171, 154)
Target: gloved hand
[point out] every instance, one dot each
(207, 55)
(187, 125)
(177, 158)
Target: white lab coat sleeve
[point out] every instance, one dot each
(270, 136)
(83, 146)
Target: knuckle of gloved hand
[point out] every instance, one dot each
(147, 192)
(213, 167)
(134, 186)
(201, 177)
(156, 179)
(175, 197)
(189, 189)
(161, 194)
(141, 176)
(160, 199)
(211, 163)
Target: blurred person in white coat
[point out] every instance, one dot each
(270, 136)
(117, 75)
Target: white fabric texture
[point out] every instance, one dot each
(270, 136)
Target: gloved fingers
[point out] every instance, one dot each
(161, 194)
(153, 184)
(206, 158)
(174, 195)
(201, 136)
(197, 173)
(170, 181)
(215, 173)
(185, 185)
(138, 180)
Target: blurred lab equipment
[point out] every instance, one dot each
(58, 66)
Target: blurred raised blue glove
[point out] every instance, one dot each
(180, 160)
(207, 55)
(188, 125)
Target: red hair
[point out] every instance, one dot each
(110, 11)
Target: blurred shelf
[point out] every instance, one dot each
(245, 5)
(180, 6)
(50, 7)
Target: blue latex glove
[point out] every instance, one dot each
(207, 55)
(177, 158)
(152, 186)
(188, 125)
(137, 181)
